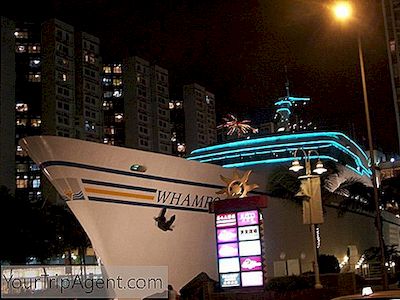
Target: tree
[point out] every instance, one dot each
(328, 264)
(36, 230)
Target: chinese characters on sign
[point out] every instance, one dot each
(239, 245)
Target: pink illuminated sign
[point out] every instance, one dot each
(251, 263)
(226, 220)
(240, 263)
(227, 235)
(247, 217)
(228, 250)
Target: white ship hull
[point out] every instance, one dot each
(117, 206)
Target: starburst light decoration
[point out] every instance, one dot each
(235, 126)
(238, 186)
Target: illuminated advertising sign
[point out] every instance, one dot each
(251, 263)
(228, 250)
(226, 220)
(227, 265)
(230, 279)
(249, 233)
(247, 217)
(226, 235)
(248, 248)
(240, 263)
(252, 278)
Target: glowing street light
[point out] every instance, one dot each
(342, 10)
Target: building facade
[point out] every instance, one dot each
(50, 84)
(71, 67)
(136, 98)
(7, 104)
(200, 118)
(391, 14)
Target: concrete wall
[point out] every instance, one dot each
(287, 238)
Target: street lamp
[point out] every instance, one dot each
(343, 11)
(312, 207)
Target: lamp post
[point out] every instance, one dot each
(312, 207)
(343, 12)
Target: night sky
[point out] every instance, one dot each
(239, 49)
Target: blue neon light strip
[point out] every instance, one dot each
(357, 159)
(277, 138)
(281, 102)
(285, 146)
(283, 109)
(217, 156)
(258, 153)
(299, 99)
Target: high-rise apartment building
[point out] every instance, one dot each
(50, 84)
(200, 118)
(391, 13)
(27, 102)
(71, 68)
(7, 104)
(136, 97)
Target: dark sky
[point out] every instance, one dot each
(238, 50)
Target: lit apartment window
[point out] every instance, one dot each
(107, 69)
(22, 183)
(21, 34)
(34, 63)
(117, 93)
(208, 100)
(108, 94)
(20, 48)
(21, 107)
(109, 130)
(62, 76)
(22, 168)
(171, 105)
(36, 122)
(90, 126)
(392, 45)
(34, 48)
(107, 105)
(20, 152)
(107, 81)
(34, 77)
(117, 81)
(36, 183)
(34, 167)
(118, 117)
(117, 69)
(21, 122)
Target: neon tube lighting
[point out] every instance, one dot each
(216, 156)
